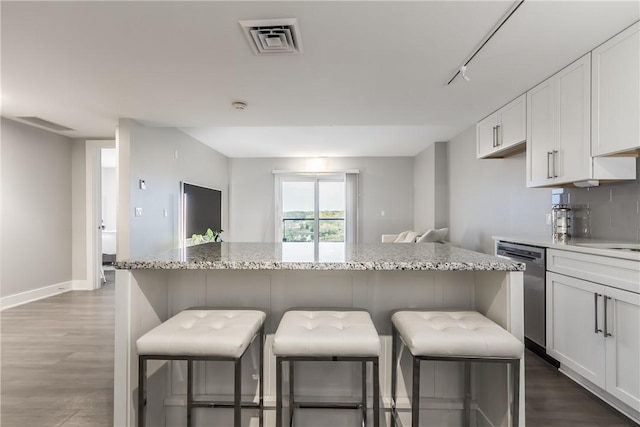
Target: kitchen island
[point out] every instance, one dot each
(275, 277)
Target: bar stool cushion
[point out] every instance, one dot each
(455, 333)
(224, 333)
(326, 333)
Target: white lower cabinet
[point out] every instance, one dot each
(574, 308)
(594, 330)
(623, 346)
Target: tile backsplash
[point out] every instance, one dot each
(610, 211)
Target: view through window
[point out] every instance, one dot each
(313, 210)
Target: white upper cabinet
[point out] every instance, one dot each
(503, 133)
(559, 132)
(615, 91)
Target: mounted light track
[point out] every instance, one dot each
(488, 37)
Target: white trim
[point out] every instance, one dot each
(319, 173)
(81, 285)
(35, 294)
(602, 394)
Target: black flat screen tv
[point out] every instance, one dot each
(201, 209)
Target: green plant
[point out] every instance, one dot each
(209, 236)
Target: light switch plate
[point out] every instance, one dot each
(143, 185)
(138, 211)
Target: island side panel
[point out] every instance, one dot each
(499, 296)
(141, 304)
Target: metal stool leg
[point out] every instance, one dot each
(261, 379)
(189, 391)
(364, 393)
(394, 374)
(467, 394)
(515, 367)
(237, 393)
(142, 398)
(291, 397)
(376, 393)
(278, 392)
(415, 398)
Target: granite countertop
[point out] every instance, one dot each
(630, 251)
(331, 256)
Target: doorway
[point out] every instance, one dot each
(94, 212)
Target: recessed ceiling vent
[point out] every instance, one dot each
(273, 36)
(44, 123)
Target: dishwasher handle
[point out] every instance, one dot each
(517, 256)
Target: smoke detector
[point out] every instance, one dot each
(239, 105)
(273, 36)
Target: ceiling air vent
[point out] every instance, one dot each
(273, 36)
(44, 123)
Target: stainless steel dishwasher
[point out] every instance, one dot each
(534, 293)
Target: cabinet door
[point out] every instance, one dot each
(513, 123)
(616, 94)
(486, 135)
(540, 138)
(571, 159)
(623, 346)
(574, 317)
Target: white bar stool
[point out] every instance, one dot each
(461, 336)
(321, 335)
(204, 335)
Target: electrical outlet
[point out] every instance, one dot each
(143, 185)
(165, 213)
(548, 221)
(138, 211)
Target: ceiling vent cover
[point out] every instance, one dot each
(44, 123)
(273, 36)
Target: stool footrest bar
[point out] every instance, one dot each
(201, 404)
(328, 405)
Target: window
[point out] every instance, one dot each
(319, 209)
(313, 210)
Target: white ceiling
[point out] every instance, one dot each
(371, 81)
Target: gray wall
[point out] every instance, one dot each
(489, 197)
(152, 154)
(36, 208)
(431, 188)
(385, 184)
(613, 209)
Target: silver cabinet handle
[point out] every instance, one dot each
(606, 328)
(549, 154)
(595, 303)
(555, 161)
(498, 136)
(494, 137)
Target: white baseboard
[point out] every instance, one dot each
(602, 394)
(34, 295)
(81, 285)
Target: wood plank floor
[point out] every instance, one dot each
(57, 361)
(57, 370)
